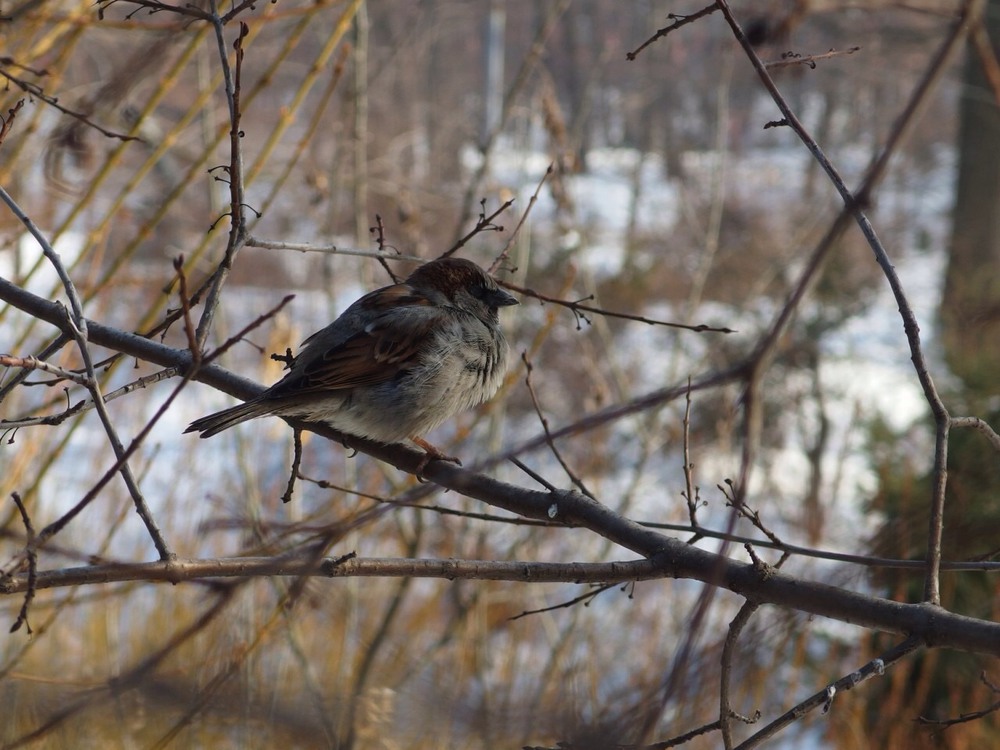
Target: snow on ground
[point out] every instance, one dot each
(602, 198)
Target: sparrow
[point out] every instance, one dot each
(397, 363)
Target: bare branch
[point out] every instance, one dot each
(33, 363)
(6, 123)
(505, 253)
(969, 716)
(577, 307)
(792, 58)
(577, 482)
(853, 205)
(74, 324)
(88, 404)
(824, 698)
(238, 230)
(241, 334)
(305, 247)
(981, 425)
(32, 563)
(690, 489)
(293, 473)
(678, 21)
(586, 598)
(483, 224)
(726, 713)
(36, 92)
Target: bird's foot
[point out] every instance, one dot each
(431, 453)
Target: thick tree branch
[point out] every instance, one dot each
(929, 624)
(669, 556)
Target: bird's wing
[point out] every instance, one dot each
(404, 321)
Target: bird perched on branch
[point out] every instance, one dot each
(397, 363)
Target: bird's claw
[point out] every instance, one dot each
(431, 453)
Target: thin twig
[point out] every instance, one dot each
(621, 411)
(286, 496)
(379, 232)
(505, 253)
(532, 473)
(185, 300)
(545, 427)
(88, 404)
(792, 58)
(156, 6)
(33, 363)
(981, 425)
(577, 307)
(678, 21)
(824, 698)
(241, 334)
(305, 247)
(232, 76)
(6, 123)
(746, 512)
(31, 558)
(969, 716)
(37, 92)
(586, 598)
(483, 224)
(726, 713)
(690, 493)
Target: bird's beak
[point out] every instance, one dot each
(500, 298)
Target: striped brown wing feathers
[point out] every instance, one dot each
(385, 347)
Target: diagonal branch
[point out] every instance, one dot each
(823, 698)
(672, 557)
(853, 207)
(74, 325)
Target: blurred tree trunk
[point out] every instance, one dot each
(970, 307)
(361, 218)
(494, 49)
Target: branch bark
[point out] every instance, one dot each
(665, 556)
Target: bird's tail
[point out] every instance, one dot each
(223, 420)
